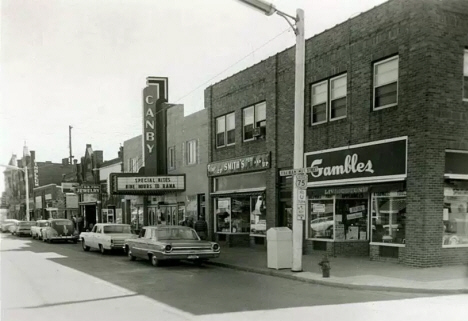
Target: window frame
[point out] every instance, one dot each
(171, 152)
(188, 153)
(224, 117)
(255, 120)
(465, 75)
(345, 96)
(380, 62)
(312, 104)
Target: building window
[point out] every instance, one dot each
(386, 83)
(171, 158)
(465, 76)
(225, 130)
(338, 97)
(319, 103)
(388, 218)
(254, 117)
(191, 152)
(455, 215)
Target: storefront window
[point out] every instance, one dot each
(455, 215)
(389, 217)
(232, 214)
(321, 218)
(257, 215)
(351, 217)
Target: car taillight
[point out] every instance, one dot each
(168, 248)
(215, 247)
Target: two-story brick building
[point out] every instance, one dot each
(386, 114)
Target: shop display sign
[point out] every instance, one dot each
(239, 165)
(318, 208)
(370, 162)
(357, 209)
(132, 184)
(88, 189)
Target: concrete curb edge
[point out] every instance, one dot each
(337, 284)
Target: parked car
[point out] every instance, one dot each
(22, 228)
(36, 230)
(59, 229)
(106, 236)
(6, 224)
(162, 242)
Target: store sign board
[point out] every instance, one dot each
(144, 185)
(157, 89)
(88, 189)
(240, 165)
(373, 161)
(36, 175)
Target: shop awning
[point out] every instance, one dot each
(87, 203)
(244, 192)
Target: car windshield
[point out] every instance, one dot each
(27, 223)
(62, 222)
(117, 229)
(176, 234)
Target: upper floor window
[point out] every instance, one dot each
(386, 83)
(191, 152)
(254, 117)
(171, 158)
(319, 103)
(225, 130)
(132, 165)
(465, 76)
(338, 97)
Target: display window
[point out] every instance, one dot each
(455, 214)
(340, 217)
(389, 218)
(240, 214)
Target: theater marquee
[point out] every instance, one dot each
(146, 185)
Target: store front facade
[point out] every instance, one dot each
(357, 198)
(239, 199)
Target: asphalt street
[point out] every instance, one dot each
(37, 277)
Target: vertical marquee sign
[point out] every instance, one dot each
(156, 89)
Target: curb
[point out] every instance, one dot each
(276, 273)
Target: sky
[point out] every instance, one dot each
(84, 63)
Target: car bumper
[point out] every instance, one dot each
(69, 238)
(187, 256)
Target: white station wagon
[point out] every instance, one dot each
(106, 236)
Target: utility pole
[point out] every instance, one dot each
(70, 144)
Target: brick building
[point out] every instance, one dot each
(386, 114)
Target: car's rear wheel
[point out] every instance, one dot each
(85, 248)
(154, 260)
(102, 249)
(130, 256)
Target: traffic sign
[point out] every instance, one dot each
(301, 196)
(301, 181)
(297, 171)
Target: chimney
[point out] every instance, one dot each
(99, 157)
(120, 152)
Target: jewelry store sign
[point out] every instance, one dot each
(88, 189)
(240, 165)
(143, 185)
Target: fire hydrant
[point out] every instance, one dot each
(325, 265)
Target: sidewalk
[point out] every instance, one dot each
(354, 272)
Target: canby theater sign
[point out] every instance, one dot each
(377, 161)
(126, 183)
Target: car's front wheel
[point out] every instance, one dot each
(85, 247)
(131, 257)
(155, 261)
(102, 249)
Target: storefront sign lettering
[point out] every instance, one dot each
(36, 175)
(244, 164)
(88, 189)
(367, 162)
(144, 185)
(351, 165)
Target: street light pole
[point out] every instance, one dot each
(298, 27)
(26, 180)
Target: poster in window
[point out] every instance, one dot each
(257, 215)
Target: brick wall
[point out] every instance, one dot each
(429, 37)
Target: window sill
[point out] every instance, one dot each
(385, 107)
(225, 146)
(320, 123)
(388, 244)
(454, 246)
(338, 118)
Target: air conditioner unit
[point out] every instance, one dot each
(258, 131)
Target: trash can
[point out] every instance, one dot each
(279, 248)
